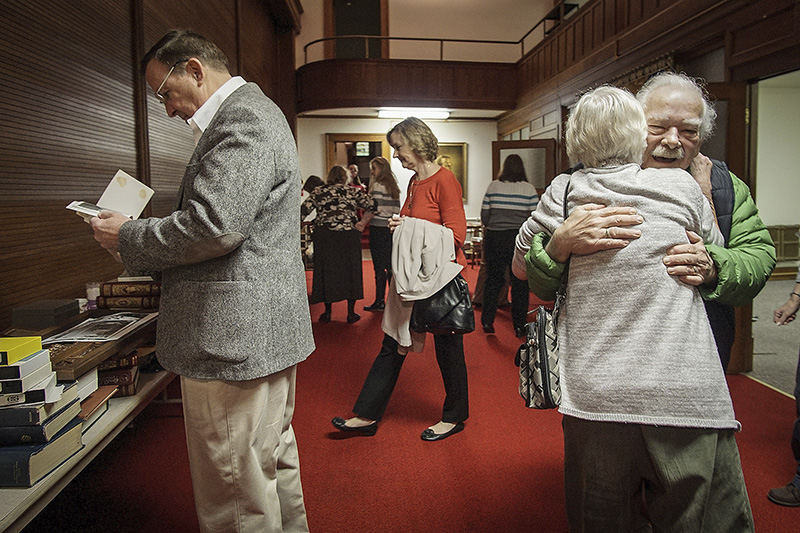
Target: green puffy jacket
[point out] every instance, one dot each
(742, 268)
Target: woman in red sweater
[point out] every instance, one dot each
(434, 195)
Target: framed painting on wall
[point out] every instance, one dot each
(453, 156)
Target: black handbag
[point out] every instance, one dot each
(448, 312)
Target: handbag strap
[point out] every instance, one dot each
(562, 289)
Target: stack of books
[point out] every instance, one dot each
(26, 375)
(39, 423)
(122, 370)
(129, 293)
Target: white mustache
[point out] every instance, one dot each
(669, 153)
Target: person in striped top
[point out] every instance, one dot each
(508, 202)
(385, 192)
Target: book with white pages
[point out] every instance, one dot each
(48, 391)
(19, 385)
(26, 365)
(124, 194)
(87, 384)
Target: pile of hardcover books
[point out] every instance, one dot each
(40, 427)
(122, 370)
(129, 293)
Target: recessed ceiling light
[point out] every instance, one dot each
(419, 112)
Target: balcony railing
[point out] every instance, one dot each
(536, 34)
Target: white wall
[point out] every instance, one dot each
(311, 28)
(495, 20)
(778, 159)
(477, 134)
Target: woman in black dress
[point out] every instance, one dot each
(337, 242)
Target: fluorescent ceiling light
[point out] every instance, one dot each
(419, 112)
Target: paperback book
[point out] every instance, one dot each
(47, 390)
(124, 194)
(8, 386)
(26, 365)
(12, 349)
(87, 384)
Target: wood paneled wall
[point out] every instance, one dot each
(608, 39)
(399, 82)
(68, 99)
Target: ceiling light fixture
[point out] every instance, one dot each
(419, 112)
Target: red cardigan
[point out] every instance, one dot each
(438, 200)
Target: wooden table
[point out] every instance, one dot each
(18, 506)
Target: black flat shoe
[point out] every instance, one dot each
(488, 328)
(325, 317)
(520, 332)
(377, 306)
(430, 436)
(368, 431)
(353, 317)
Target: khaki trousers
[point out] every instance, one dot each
(243, 455)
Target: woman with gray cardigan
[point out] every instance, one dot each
(647, 412)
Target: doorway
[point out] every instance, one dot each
(356, 17)
(345, 149)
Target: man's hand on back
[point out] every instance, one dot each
(691, 262)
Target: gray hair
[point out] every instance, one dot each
(682, 81)
(180, 45)
(605, 128)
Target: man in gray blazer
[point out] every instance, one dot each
(234, 319)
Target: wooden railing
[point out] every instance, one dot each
(547, 24)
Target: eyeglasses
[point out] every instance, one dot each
(162, 98)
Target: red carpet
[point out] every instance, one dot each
(502, 473)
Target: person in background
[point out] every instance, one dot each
(234, 320)
(647, 413)
(311, 183)
(679, 120)
(355, 181)
(790, 494)
(508, 202)
(384, 190)
(434, 195)
(337, 243)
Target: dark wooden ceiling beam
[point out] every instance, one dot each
(378, 82)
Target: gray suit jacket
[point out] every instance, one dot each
(233, 293)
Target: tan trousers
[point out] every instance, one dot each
(243, 455)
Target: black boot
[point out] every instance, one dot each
(351, 312)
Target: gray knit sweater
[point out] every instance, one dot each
(635, 343)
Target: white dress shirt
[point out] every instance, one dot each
(202, 117)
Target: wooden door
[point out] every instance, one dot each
(730, 143)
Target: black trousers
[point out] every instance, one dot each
(498, 252)
(382, 378)
(380, 247)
